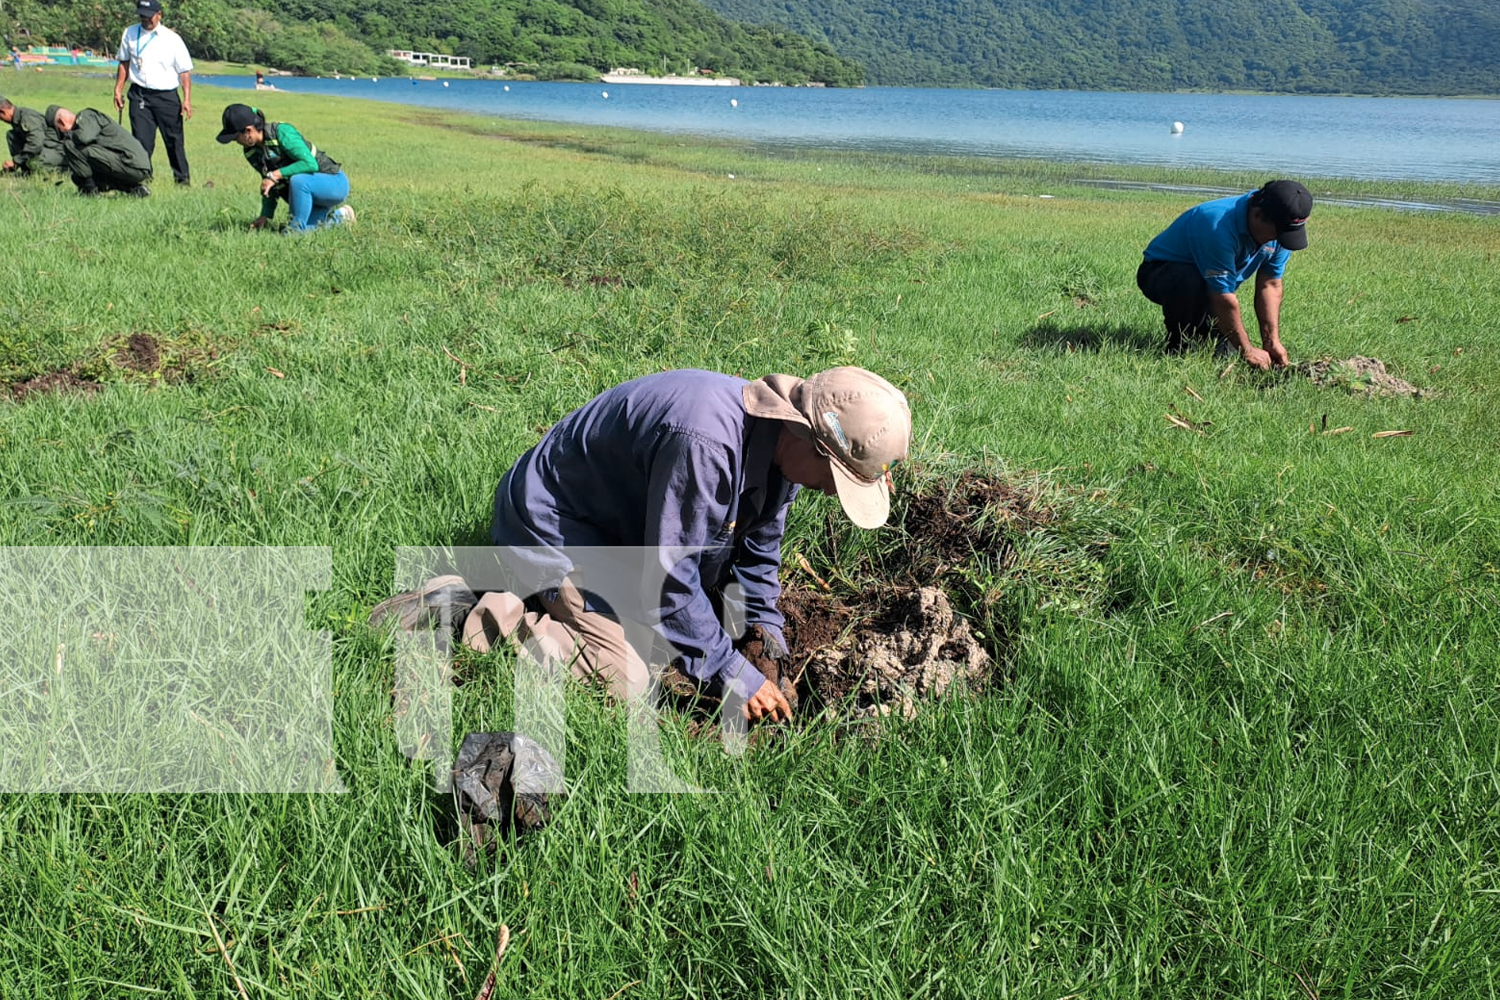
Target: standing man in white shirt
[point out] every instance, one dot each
(156, 62)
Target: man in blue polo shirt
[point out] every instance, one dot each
(1193, 268)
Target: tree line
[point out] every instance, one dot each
(545, 38)
(1284, 46)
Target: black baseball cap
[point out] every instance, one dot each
(236, 117)
(147, 8)
(1286, 204)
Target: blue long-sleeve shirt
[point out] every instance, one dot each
(673, 462)
(1215, 238)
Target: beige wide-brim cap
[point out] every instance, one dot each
(860, 420)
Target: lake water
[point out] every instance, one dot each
(1384, 138)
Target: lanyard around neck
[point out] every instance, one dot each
(140, 48)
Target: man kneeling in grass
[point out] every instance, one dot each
(100, 155)
(701, 468)
(1193, 268)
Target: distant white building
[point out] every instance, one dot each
(434, 60)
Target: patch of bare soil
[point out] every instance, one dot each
(1360, 376)
(143, 358)
(51, 383)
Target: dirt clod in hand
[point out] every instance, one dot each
(767, 659)
(913, 648)
(1360, 376)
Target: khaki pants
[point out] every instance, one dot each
(593, 643)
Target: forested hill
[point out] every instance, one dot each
(550, 38)
(1297, 46)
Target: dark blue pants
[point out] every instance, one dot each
(151, 110)
(1183, 296)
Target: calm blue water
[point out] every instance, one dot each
(1362, 137)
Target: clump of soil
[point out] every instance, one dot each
(139, 353)
(1360, 376)
(912, 647)
(50, 384)
(881, 654)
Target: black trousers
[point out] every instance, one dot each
(1183, 296)
(151, 110)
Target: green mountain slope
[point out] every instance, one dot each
(1304, 46)
(561, 37)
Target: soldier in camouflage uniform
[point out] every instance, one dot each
(100, 155)
(33, 146)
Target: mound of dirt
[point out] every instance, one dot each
(950, 524)
(139, 353)
(865, 658)
(913, 647)
(1359, 375)
(930, 605)
(49, 384)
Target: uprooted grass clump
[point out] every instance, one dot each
(1359, 376)
(999, 545)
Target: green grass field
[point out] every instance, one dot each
(1261, 758)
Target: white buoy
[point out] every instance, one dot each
(507, 88)
(734, 102)
(1177, 128)
(445, 83)
(374, 79)
(605, 95)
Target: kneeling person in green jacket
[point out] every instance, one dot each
(100, 155)
(291, 168)
(33, 146)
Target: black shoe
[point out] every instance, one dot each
(183, 182)
(139, 191)
(88, 192)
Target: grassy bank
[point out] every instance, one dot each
(1261, 762)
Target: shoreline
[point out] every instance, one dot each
(673, 81)
(1451, 195)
